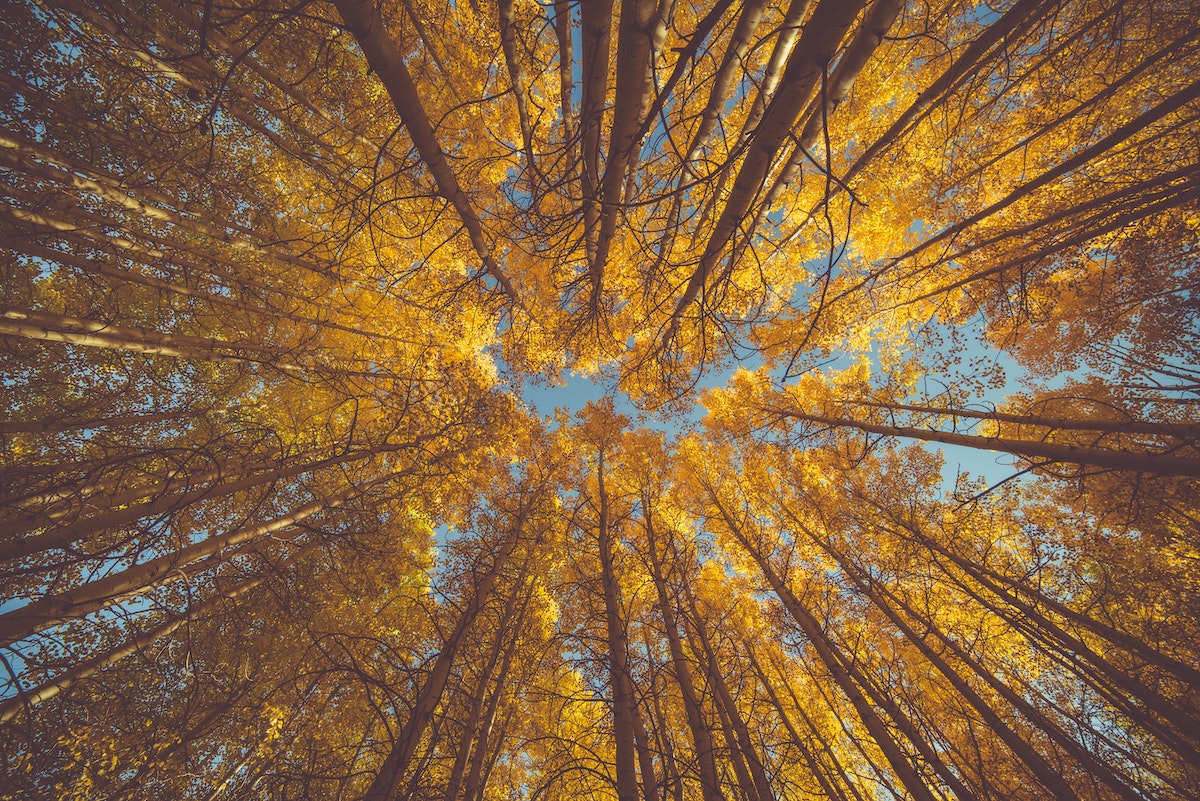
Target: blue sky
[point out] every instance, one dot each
(993, 467)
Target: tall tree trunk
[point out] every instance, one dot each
(394, 767)
(620, 679)
(596, 25)
(820, 40)
(672, 779)
(125, 511)
(86, 668)
(841, 675)
(1047, 775)
(829, 787)
(1139, 462)
(476, 720)
(1086, 759)
(566, 63)
(1170, 429)
(363, 20)
(1169, 105)
(868, 39)
(645, 757)
(760, 786)
(710, 788)
(516, 76)
(50, 610)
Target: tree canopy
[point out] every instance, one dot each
(280, 520)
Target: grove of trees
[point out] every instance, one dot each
(279, 519)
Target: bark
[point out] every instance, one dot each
(1103, 214)
(718, 97)
(126, 487)
(32, 324)
(21, 542)
(83, 228)
(1108, 223)
(672, 779)
(1031, 599)
(645, 757)
(620, 678)
(478, 779)
(1165, 54)
(183, 62)
(1046, 774)
(759, 785)
(1134, 126)
(686, 55)
(731, 67)
(1169, 724)
(63, 424)
(566, 63)
(364, 23)
(429, 49)
(1125, 692)
(868, 39)
(50, 610)
(1127, 199)
(595, 38)
(1086, 759)
(634, 85)
(516, 77)
(477, 721)
(710, 788)
(44, 326)
(818, 43)
(972, 58)
(404, 748)
(789, 31)
(1159, 464)
(831, 790)
(91, 265)
(826, 748)
(1168, 429)
(247, 58)
(124, 510)
(87, 668)
(35, 160)
(737, 758)
(844, 678)
(1084, 659)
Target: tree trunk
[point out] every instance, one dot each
(63, 535)
(86, 668)
(1047, 775)
(50, 610)
(832, 790)
(843, 677)
(710, 788)
(476, 721)
(759, 786)
(822, 36)
(1160, 464)
(392, 771)
(620, 679)
(596, 25)
(364, 23)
